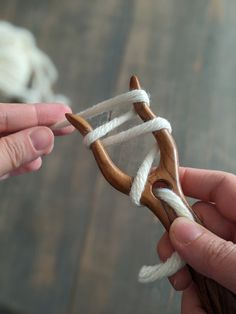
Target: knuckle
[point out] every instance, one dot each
(217, 253)
(13, 151)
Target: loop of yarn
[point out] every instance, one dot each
(173, 263)
(123, 100)
(27, 73)
(168, 268)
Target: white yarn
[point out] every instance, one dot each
(175, 202)
(146, 127)
(102, 130)
(27, 73)
(123, 100)
(126, 99)
(173, 263)
(168, 268)
(141, 176)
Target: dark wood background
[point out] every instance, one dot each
(69, 243)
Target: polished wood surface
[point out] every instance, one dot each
(69, 242)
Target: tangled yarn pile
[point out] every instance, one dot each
(27, 73)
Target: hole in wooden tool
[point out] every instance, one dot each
(161, 184)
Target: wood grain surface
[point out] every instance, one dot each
(69, 243)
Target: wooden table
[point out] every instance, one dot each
(69, 242)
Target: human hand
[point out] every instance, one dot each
(25, 135)
(210, 251)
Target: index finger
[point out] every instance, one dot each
(16, 117)
(211, 186)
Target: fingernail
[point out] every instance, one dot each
(185, 231)
(41, 138)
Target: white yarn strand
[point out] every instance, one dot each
(175, 202)
(102, 130)
(123, 100)
(168, 268)
(126, 99)
(144, 128)
(141, 177)
(174, 262)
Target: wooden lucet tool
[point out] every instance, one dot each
(215, 298)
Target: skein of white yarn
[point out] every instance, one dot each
(26, 73)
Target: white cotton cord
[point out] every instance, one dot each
(175, 202)
(27, 73)
(174, 262)
(107, 127)
(140, 179)
(124, 100)
(168, 268)
(144, 128)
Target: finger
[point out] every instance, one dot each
(190, 301)
(211, 186)
(30, 167)
(23, 147)
(213, 220)
(4, 177)
(16, 117)
(182, 279)
(64, 131)
(204, 251)
(164, 247)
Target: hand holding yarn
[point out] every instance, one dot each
(210, 251)
(25, 135)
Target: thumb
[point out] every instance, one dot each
(22, 147)
(205, 252)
